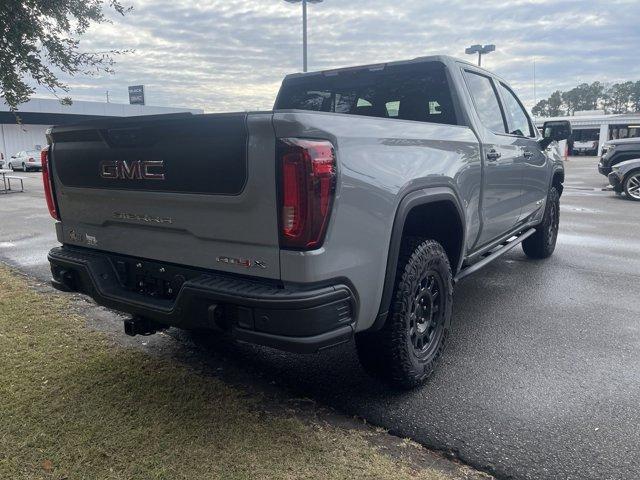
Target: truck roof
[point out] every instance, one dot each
(446, 59)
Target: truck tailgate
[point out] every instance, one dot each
(197, 190)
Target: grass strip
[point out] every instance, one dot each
(75, 406)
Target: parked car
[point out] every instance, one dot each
(616, 151)
(25, 160)
(585, 147)
(625, 177)
(350, 210)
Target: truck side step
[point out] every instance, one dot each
(504, 248)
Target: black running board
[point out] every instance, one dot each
(493, 255)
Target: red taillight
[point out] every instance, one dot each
(307, 186)
(48, 184)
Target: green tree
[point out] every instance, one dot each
(541, 109)
(595, 95)
(584, 97)
(551, 107)
(635, 96)
(555, 104)
(618, 97)
(38, 37)
(571, 100)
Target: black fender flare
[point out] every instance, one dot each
(558, 171)
(423, 196)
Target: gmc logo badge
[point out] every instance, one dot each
(134, 170)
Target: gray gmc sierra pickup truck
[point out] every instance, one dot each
(350, 210)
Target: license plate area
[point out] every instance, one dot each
(151, 279)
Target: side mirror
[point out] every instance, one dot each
(554, 132)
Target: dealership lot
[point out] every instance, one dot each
(541, 378)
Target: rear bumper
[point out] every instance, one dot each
(296, 318)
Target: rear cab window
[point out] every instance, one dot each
(413, 91)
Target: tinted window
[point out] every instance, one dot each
(392, 108)
(516, 116)
(418, 91)
(486, 101)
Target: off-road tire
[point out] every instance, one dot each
(394, 353)
(542, 243)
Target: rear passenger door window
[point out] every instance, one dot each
(486, 101)
(517, 117)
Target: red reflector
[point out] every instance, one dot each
(48, 184)
(307, 176)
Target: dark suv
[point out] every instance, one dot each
(616, 151)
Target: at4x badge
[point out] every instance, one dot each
(242, 262)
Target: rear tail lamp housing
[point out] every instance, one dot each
(47, 180)
(307, 175)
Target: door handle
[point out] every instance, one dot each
(492, 155)
(527, 154)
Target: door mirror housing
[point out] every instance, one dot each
(555, 131)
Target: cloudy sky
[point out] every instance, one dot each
(224, 55)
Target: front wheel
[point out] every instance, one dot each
(24, 167)
(632, 186)
(405, 351)
(542, 243)
(11, 167)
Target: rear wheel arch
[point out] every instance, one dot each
(433, 213)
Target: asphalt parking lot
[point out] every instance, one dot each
(542, 375)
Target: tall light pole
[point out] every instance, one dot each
(304, 28)
(480, 49)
